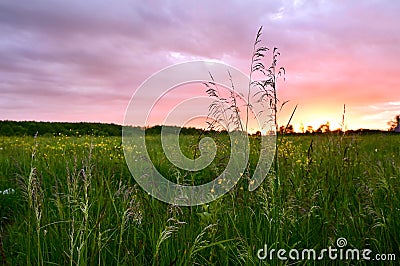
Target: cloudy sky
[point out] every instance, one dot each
(83, 60)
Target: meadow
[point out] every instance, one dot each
(72, 201)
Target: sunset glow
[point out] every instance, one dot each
(82, 61)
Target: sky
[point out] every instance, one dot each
(83, 60)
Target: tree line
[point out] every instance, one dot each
(31, 128)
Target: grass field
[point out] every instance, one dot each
(72, 201)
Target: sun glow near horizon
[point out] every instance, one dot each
(304, 117)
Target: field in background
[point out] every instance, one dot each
(71, 200)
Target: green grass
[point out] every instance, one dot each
(75, 203)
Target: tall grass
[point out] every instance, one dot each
(79, 205)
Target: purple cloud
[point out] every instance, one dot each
(74, 60)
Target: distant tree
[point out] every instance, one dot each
(310, 129)
(289, 129)
(282, 129)
(324, 128)
(258, 133)
(393, 124)
(286, 129)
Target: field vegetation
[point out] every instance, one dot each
(72, 201)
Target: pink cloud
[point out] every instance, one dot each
(81, 61)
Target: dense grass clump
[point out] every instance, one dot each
(72, 201)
